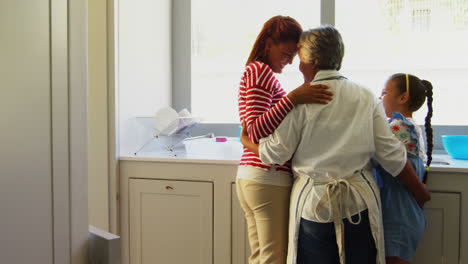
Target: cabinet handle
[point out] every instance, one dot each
(169, 188)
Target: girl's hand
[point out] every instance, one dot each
(307, 94)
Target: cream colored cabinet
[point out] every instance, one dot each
(170, 222)
(240, 249)
(441, 240)
(195, 217)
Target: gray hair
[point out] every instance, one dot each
(323, 43)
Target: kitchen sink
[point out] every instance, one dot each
(440, 161)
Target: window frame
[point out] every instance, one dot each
(181, 73)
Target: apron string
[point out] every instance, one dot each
(337, 192)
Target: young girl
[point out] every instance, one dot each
(264, 190)
(404, 220)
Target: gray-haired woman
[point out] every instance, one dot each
(335, 212)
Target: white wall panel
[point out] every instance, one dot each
(25, 125)
(43, 124)
(144, 65)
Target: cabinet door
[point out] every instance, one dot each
(171, 222)
(240, 248)
(440, 243)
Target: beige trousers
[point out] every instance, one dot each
(266, 209)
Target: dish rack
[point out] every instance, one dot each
(168, 141)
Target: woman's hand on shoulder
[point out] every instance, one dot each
(308, 94)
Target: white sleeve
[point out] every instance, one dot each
(389, 151)
(280, 146)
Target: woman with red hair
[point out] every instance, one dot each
(264, 190)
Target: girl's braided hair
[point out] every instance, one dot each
(419, 90)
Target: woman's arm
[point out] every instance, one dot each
(391, 155)
(308, 94)
(280, 146)
(409, 177)
(260, 88)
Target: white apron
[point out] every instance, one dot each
(364, 183)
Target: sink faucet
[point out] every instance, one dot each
(209, 135)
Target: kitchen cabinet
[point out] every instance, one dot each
(155, 219)
(171, 221)
(176, 211)
(441, 240)
(240, 250)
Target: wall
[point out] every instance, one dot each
(43, 154)
(26, 171)
(143, 66)
(98, 159)
(78, 126)
(129, 66)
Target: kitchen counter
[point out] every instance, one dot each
(155, 181)
(446, 163)
(179, 155)
(440, 163)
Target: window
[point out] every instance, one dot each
(425, 37)
(421, 20)
(221, 43)
(428, 38)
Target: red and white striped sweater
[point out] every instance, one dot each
(263, 104)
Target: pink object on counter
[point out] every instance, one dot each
(221, 139)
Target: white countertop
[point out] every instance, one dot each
(454, 165)
(440, 163)
(180, 157)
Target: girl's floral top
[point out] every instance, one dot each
(406, 130)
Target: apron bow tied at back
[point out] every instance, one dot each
(338, 192)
